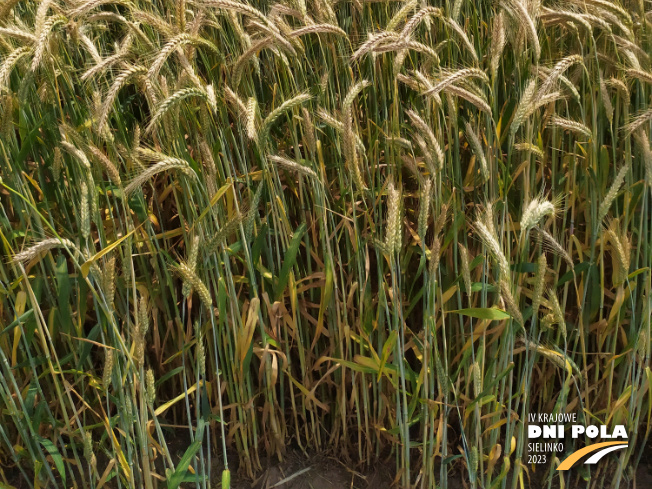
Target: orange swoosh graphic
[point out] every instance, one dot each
(571, 459)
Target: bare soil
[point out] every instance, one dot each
(317, 472)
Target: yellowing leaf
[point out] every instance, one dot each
(86, 266)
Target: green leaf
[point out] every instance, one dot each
(387, 350)
(483, 313)
(479, 286)
(637, 272)
(489, 388)
(289, 261)
(475, 262)
(448, 460)
(23, 317)
(525, 267)
(568, 276)
(56, 456)
(168, 375)
(259, 242)
(181, 472)
(85, 347)
(27, 139)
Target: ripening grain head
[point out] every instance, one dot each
(534, 212)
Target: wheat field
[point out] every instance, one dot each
(382, 230)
